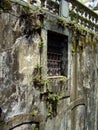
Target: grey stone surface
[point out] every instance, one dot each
(19, 56)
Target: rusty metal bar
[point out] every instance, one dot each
(54, 64)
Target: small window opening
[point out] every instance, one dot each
(57, 53)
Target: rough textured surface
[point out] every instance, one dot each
(74, 104)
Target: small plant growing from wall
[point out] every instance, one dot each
(41, 45)
(52, 99)
(37, 78)
(63, 80)
(34, 113)
(33, 21)
(5, 5)
(62, 22)
(52, 102)
(44, 95)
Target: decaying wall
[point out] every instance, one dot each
(29, 99)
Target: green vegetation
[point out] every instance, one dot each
(5, 5)
(52, 100)
(63, 80)
(53, 97)
(37, 78)
(41, 45)
(62, 22)
(2, 123)
(35, 128)
(33, 113)
(33, 20)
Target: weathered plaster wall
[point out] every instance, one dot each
(19, 55)
(26, 105)
(84, 86)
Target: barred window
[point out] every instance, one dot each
(57, 54)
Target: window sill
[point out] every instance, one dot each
(55, 77)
